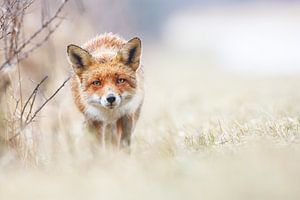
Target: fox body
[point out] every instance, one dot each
(107, 85)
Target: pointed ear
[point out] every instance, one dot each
(130, 53)
(79, 58)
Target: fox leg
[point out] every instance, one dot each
(97, 128)
(125, 127)
(124, 130)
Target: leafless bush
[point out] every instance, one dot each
(16, 110)
(16, 48)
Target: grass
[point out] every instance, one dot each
(203, 134)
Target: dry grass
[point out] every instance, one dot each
(202, 135)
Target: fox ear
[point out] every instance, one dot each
(79, 58)
(130, 54)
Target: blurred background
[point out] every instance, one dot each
(249, 36)
(258, 37)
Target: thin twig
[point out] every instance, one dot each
(31, 95)
(36, 46)
(47, 100)
(32, 119)
(31, 106)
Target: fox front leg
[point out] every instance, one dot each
(97, 128)
(124, 128)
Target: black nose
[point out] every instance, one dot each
(111, 99)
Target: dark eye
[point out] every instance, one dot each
(96, 82)
(121, 80)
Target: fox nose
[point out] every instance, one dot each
(110, 99)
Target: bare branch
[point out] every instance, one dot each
(32, 119)
(36, 46)
(32, 94)
(44, 25)
(47, 100)
(35, 34)
(15, 47)
(31, 106)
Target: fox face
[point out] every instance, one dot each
(108, 82)
(109, 85)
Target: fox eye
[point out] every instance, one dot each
(121, 80)
(96, 82)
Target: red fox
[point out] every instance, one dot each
(107, 86)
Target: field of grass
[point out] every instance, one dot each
(203, 134)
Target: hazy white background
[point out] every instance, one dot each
(255, 37)
(260, 37)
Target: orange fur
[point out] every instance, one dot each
(107, 65)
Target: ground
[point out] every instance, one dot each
(203, 134)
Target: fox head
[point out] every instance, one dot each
(110, 82)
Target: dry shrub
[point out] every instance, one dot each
(18, 101)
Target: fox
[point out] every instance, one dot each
(107, 86)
